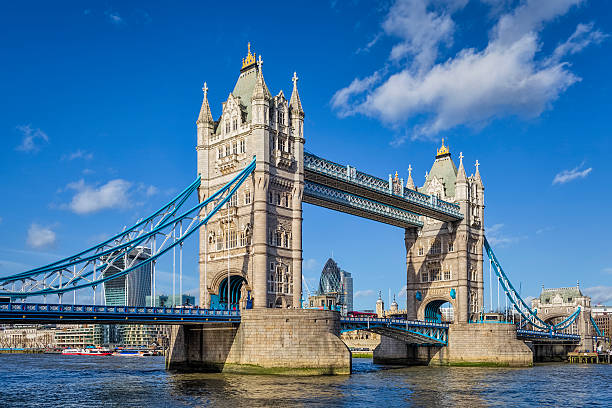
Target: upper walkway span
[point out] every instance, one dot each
(325, 180)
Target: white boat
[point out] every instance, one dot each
(87, 352)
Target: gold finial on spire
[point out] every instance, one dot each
(410, 170)
(396, 176)
(205, 89)
(249, 59)
(443, 151)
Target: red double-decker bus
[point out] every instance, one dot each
(361, 314)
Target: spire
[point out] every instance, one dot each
(477, 175)
(410, 182)
(261, 89)
(461, 176)
(205, 115)
(295, 104)
(443, 151)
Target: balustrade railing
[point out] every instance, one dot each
(352, 175)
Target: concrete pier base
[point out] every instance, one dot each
(543, 352)
(468, 344)
(267, 341)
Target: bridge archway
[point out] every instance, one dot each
(438, 310)
(239, 294)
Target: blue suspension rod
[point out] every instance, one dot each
(241, 177)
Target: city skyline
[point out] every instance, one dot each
(543, 150)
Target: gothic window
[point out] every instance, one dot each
(271, 116)
(281, 117)
(421, 251)
(436, 248)
(447, 274)
(235, 147)
(473, 274)
(247, 197)
(227, 126)
(242, 146)
(424, 276)
(434, 272)
(278, 238)
(218, 153)
(219, 242)
(232, 202)
(235, 124)
(285, 241)
(290, 147)
(278, 199)
(451, 247)
(474, 301)
(271, 198)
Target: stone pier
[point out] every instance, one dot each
(491, 344)
(267, 341)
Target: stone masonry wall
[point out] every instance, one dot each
(275, 341)
(469, 344)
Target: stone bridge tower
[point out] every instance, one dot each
(445, 260)
(257, 237)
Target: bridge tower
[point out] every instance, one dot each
(257, 237)
(445, 259)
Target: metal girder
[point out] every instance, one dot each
(342, 201)
(29, 313)
(348, 179)
(414, 332)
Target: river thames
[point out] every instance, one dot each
(77, 381)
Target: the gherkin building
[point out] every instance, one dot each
(337, 282)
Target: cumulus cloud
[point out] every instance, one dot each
(114, 194)
(599, 294)
(566, 176)
(310, 264)
(363, 293)
(40, 236)
(31, 138)
(508, 77)
(89, 199)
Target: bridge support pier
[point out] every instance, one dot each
(267, 341)
(490, 344)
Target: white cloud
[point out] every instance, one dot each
(79, 154)
(402, 292)
(496, 237)
(508, 77)
(115, 194)
(544, 229)
(114, 17)
(607, 270)
(89, 199)
(582, 37)
(30, 138)
(363, 293)
(40, 236)
(599, 294)
(566, 176)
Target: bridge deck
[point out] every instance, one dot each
(34, 313)
(345, 178)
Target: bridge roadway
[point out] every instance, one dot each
(346, 189)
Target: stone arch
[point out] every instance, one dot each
(240, 290)
(430, 308)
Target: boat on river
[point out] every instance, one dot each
(86, 352)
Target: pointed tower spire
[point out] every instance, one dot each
(205, 114)
(461, 176)
(410, 182)
(295, 104)
(261, 89)
(477, 175)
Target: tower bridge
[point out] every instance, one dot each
(252, 178)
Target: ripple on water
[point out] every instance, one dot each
(84, 381)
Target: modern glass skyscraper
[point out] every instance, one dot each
(131, 289)
(339, 283)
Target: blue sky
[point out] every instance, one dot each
(99, 102)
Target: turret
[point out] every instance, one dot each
(410, 182)
(261, 96)
(380, 306)
(205, 121)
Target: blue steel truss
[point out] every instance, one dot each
(519, 304)
(352, 178)
(415, 332)
(159, 233)
(549, 336)
(27, 313)
(342, 201)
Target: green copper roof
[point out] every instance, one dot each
(243, 91)
(444, 169)
(548, 295)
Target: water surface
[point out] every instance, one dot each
(43, 380)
